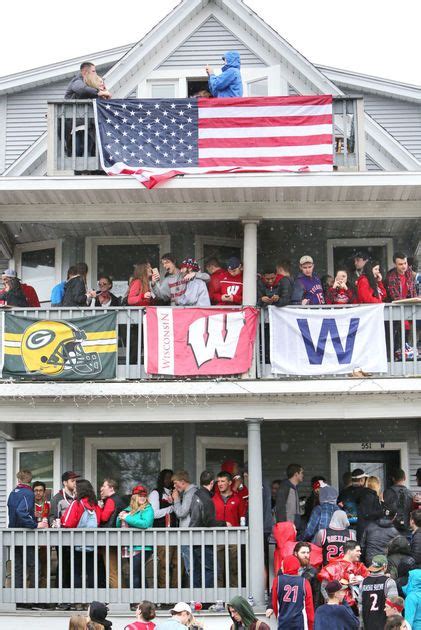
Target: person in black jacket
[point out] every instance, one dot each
(202, 514)
(415, 524)
(75, 291)
(398, 548)
(377, 536)
(12, 295)
(369, 508)
(112, 506)
(399, 498)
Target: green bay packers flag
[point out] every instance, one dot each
(48, 349)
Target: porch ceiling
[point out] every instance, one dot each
(213, 197)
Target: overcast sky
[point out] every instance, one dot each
(378, 37)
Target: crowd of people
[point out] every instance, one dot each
(341, 561)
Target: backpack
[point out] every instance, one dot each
(350, 508)
(57, 294)
(88, 520)
(400, 518)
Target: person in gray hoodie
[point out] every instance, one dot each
(182, 495)
(196, 291)
(172, 287)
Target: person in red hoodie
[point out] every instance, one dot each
(347, 568)
(230, 284)
(228, 508)
(370, 288)
(216, 272)
(83, 512)
(340, 293)
(292, 599)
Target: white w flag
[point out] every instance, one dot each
(327, 341)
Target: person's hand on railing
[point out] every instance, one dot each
(229, 524)
(269, 613)
(104, 94)
(305, 302)
(42, 524)
(227, 298)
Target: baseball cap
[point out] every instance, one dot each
(140, 490)
(180, 607)
(69, 474)
(9, 273)
(377, 563)
(334, 587)
(362, 255)
(98, 612)
(233, 262)
(306, 259)
(358, 473)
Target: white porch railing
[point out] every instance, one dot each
(72, 141)
(62, 566)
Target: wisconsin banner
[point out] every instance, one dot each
(327, 341)
(44, 349)
(199, 341)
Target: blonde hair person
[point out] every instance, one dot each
(97, 82)
(77, 622)
(374, 484)
(193, 623)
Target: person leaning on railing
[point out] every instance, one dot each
(140, 515)
(370, 288)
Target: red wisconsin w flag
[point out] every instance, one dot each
(199, 341)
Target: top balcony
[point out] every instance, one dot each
(72, 146)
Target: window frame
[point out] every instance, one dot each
(29, 446)
(95, 444)
(249, 83)
(201, 240)
(145, 87)
(56, 244)
(357, 243)
(204, 442)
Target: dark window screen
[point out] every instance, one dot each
(221, 252)
(343, 256)
(117, 260)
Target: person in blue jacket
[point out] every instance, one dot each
(20, 505)
(229, 82)
(412, 592)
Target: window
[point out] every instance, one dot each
(163, 90)
(130, 460)
(258, 88)
(211, 452)
(340, 252)
(39, 264)
(197, 85)
(218, 247)
(41, 457)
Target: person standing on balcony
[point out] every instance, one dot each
(75, 291)
(112, 506)
(229, 508)
(287, 505)
(172, 287)
(28, 291)
(307, 288)
(164, 516)
(196, 292)
(103, 296)
(78, 87)
(229, 82)
(139, 291)
(139, 514)
(216, 272)
(41, 511)
(231, 284)
(400, 283)
(356, 269)
(340, 292)
(20, 505)
(12, 295)
(370, 288)
(182, 496)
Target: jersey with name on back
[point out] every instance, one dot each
(373, 601)
(333, 545)
(291, 603)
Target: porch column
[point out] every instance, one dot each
(250, 261)
(256, 554)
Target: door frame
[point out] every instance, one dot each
(13, 448)
(205, 441)
(367, 447)
(94, 444)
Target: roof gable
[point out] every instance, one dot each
(207, 44)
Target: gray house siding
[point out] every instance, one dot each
(207, 45)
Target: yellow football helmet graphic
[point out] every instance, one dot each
(51, 347)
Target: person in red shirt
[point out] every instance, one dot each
(28, 291)
(85, 501)
(139, 289)
(230, 284)
(340, 292)
(370, 288)
(216, 272)
(145, 612)
(347, 568)
(238, 486)
(228, 508)
(41, 513)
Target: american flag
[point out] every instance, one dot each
(155, 139)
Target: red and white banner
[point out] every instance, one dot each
(199, 341)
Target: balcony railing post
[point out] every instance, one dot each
(359, 130)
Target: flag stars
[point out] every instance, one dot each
(124, 106)
(140, 120)
(156, 105)
(172, 105)
(148, 113)
(140, 106)
(189, 105)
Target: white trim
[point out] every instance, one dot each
(358, 243)
(92, 243)
(150, 82)
(204, 442)
(366, 447)
(92, 445)
(28, 446)
(200, 241)
(56, 244)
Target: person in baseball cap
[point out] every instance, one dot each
(8, 273)
(378, 563)
(180, 616)
(336, 613)
(98, 612)
(307, 288)
(69, 474)
(140, 490)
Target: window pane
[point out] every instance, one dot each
(343, 256)
(258, 88)
(221, 252)
(41, 464)
(163, 90)
(117, 261)
(129, 468)
(38, 270)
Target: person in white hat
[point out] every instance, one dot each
(180, 615)
(307, 287)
